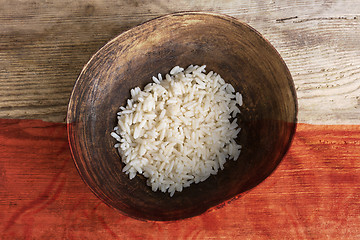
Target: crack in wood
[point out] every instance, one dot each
(281, 20)
(325, 19)
(285, 19)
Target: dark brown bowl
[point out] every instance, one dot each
(231, 48)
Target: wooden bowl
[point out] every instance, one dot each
(231, 48)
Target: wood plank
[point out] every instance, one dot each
(44, 45)
(314, 193)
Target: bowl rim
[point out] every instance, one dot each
(233, 20)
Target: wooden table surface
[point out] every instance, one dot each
(315, 192)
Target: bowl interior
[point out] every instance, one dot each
(232, 49)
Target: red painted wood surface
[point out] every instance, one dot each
(314, 194)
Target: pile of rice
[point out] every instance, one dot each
(179, 130)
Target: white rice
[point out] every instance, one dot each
(177, 131)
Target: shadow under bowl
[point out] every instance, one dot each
(231, 48)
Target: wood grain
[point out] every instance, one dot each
(44, 45)
(314, 193)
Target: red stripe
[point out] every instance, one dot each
(315, 192)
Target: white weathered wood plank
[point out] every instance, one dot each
(44, 44)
